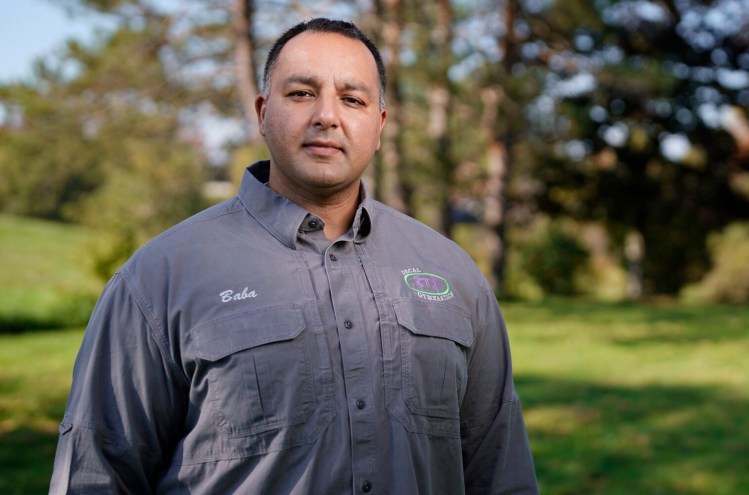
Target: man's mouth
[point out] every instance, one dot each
(323, 148)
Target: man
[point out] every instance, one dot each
(300, 338)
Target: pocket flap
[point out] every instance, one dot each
(220, 338)
(435, 320)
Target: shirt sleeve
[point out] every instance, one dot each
(496, 454)
(126, 405)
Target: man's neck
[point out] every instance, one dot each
(337, 210)
(337, 218)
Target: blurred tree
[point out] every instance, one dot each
(42, 129)
(385, 24)
(728, 279)
(103, 139)
(638, 106)
(553, 258)
(630, 113)
(505, 93)
(244, 60)
(441, 104)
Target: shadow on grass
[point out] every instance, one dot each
(634, 324)
(27, 452)
(27, 446)
(73, 312)
(26, 457)
(597, 439)
(586, 438)
(688, 325)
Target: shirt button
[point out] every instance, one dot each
(360, 404)
(333, 257)
(313, 224)
(348, 324)
(366, 487)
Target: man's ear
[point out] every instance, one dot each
(383, 119)
(260, 103)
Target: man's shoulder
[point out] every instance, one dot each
(200, 224)
(188, 236)
(401, 224)
(416, 248)
(401, 220)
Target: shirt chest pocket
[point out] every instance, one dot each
(434, 342)
(259, 368)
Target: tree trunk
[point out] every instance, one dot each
(499, 151)
(494, 188)
(244, 60)
(440, 102)
(386, 178)
(634, 254)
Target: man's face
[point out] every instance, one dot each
(320, 116)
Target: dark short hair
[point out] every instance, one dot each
(323, 25)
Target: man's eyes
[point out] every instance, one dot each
(353, 101)
(300, 92)
(304, 93)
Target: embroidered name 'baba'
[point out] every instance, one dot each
(229, 295)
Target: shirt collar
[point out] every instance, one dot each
(283, 218)
(362, 224)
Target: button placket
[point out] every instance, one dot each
(343, 276)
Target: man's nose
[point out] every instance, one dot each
(326, 112)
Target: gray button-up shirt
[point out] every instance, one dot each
(242, 352)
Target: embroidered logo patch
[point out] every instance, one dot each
(427, 285)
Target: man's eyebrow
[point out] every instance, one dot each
(356, 86)
(301, 79)
(308, 80)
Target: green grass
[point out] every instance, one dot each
(619, 399)
(44, 282)
(35, 372)
(634, 399)
(44, 285)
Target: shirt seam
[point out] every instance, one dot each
(109, 436)
(489, 417)
(507, 398)
(196, 221)
(160, 339)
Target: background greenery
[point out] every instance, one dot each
(590, 149)
(619, 398)
(618, 126)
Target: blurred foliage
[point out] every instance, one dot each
(45, 162)
(140, 202)
(626, 114)
(553, 258)
(104, 146)
(549, 259)
(642, 126)
(728, 279)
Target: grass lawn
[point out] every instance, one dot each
(43, 279)
(42, 287)
(35, 371)
(640, 399)
(619, 399)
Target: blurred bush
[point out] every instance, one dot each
(552, 259)
(728, 279)
(159, 187)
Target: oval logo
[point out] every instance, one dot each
(427, 283)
